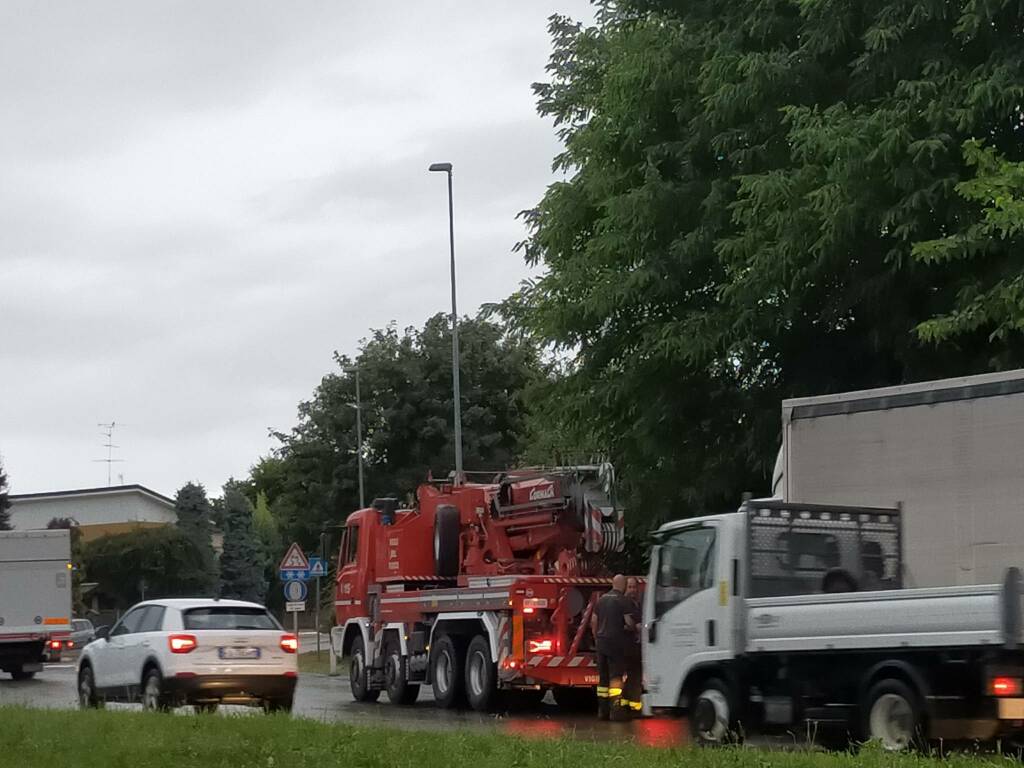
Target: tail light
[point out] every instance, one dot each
(182, 643)
(55, 645)
(540, 645)
(289, 643)
(1005, 686)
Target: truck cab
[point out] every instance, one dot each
(691, 606)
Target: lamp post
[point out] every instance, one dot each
(447, 168)
(359, 435)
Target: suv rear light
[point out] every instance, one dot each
(1005, 686)
(289, 643)
(182, 643)
(55, 645)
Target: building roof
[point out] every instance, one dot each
(104, 491)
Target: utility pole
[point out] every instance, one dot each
(447, 168)
(359, 432)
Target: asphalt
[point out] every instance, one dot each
(328, 699)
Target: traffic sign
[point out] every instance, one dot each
(317, 568)
(295, 607)
(294, 591)
(294, 575)
(294, 559)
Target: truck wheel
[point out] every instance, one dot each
(153, 697)
(576, 699)
(712, 720)
(481, 675)
(87, 698)
(20, 674)
(400, 690)
(892, 716)
(446, 672)
(359, 674)
(446, 541)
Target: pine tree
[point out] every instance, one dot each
(241, 563)
(194, 515)
(5, 503)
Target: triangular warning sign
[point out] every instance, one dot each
(294, 559)
(317, 569)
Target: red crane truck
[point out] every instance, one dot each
(480, 588)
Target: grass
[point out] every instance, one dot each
(98, 739)
(309, 663)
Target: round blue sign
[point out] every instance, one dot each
(295, 591)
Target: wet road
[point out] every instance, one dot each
(328, 699)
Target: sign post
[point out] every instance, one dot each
(317, 569)
(294, 571)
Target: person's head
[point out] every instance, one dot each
(619, 583)
(633, 587)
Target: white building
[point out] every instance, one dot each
(98, 511)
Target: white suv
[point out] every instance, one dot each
(167, 653)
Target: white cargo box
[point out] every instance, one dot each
(950, 453)
(35, 583)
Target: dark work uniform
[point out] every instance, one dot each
(633, 689)
(611, 639)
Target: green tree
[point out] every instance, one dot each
(745, 185)
(195, 522)
(990, 298)
(311, 481)
(5, 502)
(161, 561)
(243, 558)
(269, 534)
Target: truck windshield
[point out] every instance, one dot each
(226, 617)
(686, 565)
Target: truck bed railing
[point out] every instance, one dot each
(798, 549)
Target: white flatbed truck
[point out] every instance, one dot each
(35, 597)
(743, 633)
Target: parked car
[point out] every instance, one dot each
(82, 633)
(199, 652)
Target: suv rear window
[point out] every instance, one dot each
(225, 617)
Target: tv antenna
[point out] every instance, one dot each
(108, 433)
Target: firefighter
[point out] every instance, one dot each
(612, 625)
(632, 690)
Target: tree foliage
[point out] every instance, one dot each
(243, 558)
(745, 185)
(162, 559)
(195, 523)
(5, 502)
(311, 481)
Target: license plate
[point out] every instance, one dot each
(1011, 709)
(239, 653)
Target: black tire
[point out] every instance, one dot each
(279, 706)
(576, 699)
(446, 668)
(20, 674)
(480, 675)
(359, 674)
(399, 689)
(892, 716)
(713, 714)
(446, 541)
(87, 696)
(206, 708)
(154, 698)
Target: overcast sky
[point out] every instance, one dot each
(201, 201)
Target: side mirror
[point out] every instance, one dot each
(102, 633)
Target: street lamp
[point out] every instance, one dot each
(447, 168)
(359, 435)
